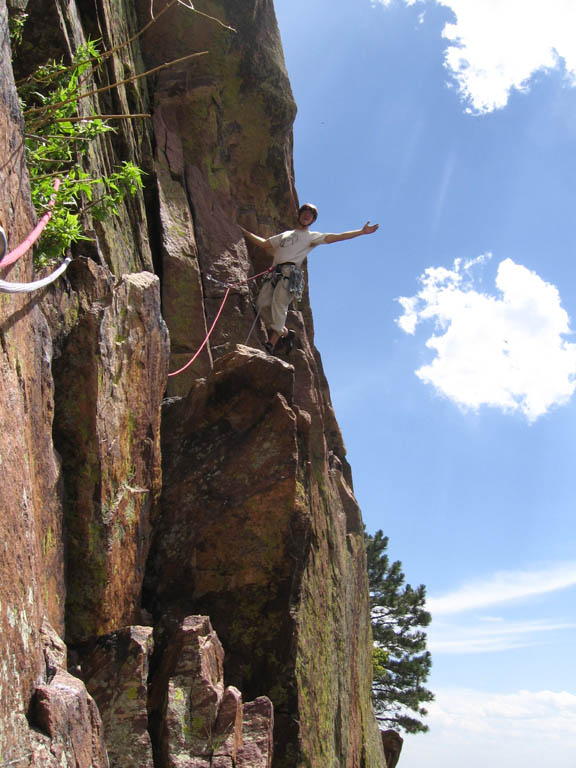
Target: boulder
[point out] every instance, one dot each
(187, 691)
(392, 743)
(257, 743)
(66, 723)
(115, 671)
(64, 711)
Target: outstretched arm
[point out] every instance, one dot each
(367, 229)
(257, 240)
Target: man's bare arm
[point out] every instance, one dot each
(367, 229)
(257, 240)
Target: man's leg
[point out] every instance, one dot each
(263, 303)
(278, 310)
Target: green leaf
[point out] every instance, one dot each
(55, 146)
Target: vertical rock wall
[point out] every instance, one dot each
(251, 519)
(32, 583)
(30, 526)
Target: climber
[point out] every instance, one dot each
(290, 250)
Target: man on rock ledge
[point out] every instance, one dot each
(290, 250)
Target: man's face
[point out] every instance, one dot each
(306, 218)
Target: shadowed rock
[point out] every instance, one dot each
(255, 525)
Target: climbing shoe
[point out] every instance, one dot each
(269, 347)
(286, 343)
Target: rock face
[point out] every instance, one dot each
(253, 530)
(32, 563)
(204, 552)
(109, 370)
(392, 742)
(69, 717)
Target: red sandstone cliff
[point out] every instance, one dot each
(206, 552)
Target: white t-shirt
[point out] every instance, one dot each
(294, 245)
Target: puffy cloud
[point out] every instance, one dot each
(506, 350)
(475, 729)
(498, 45)
(503, 587)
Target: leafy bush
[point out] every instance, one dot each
(57, 141)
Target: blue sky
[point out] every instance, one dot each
(448, 336)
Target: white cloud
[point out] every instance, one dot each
(471, 728)
(504, 587)
(498, 45)
(506, 351)
(482, 636)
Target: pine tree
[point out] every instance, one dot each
(401, 662)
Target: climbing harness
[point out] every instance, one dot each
(295, 278)
(228, 289)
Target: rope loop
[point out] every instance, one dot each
(36, 285)
(228, 287)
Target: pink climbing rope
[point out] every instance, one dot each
(201, 347)
(26, 244)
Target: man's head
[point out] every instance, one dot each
(307, 214)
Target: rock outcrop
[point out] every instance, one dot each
(66, 724)
(164, 700)
(253, 530)
(110, 364)
(392, 742)
(203, 559)
(116, 671)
